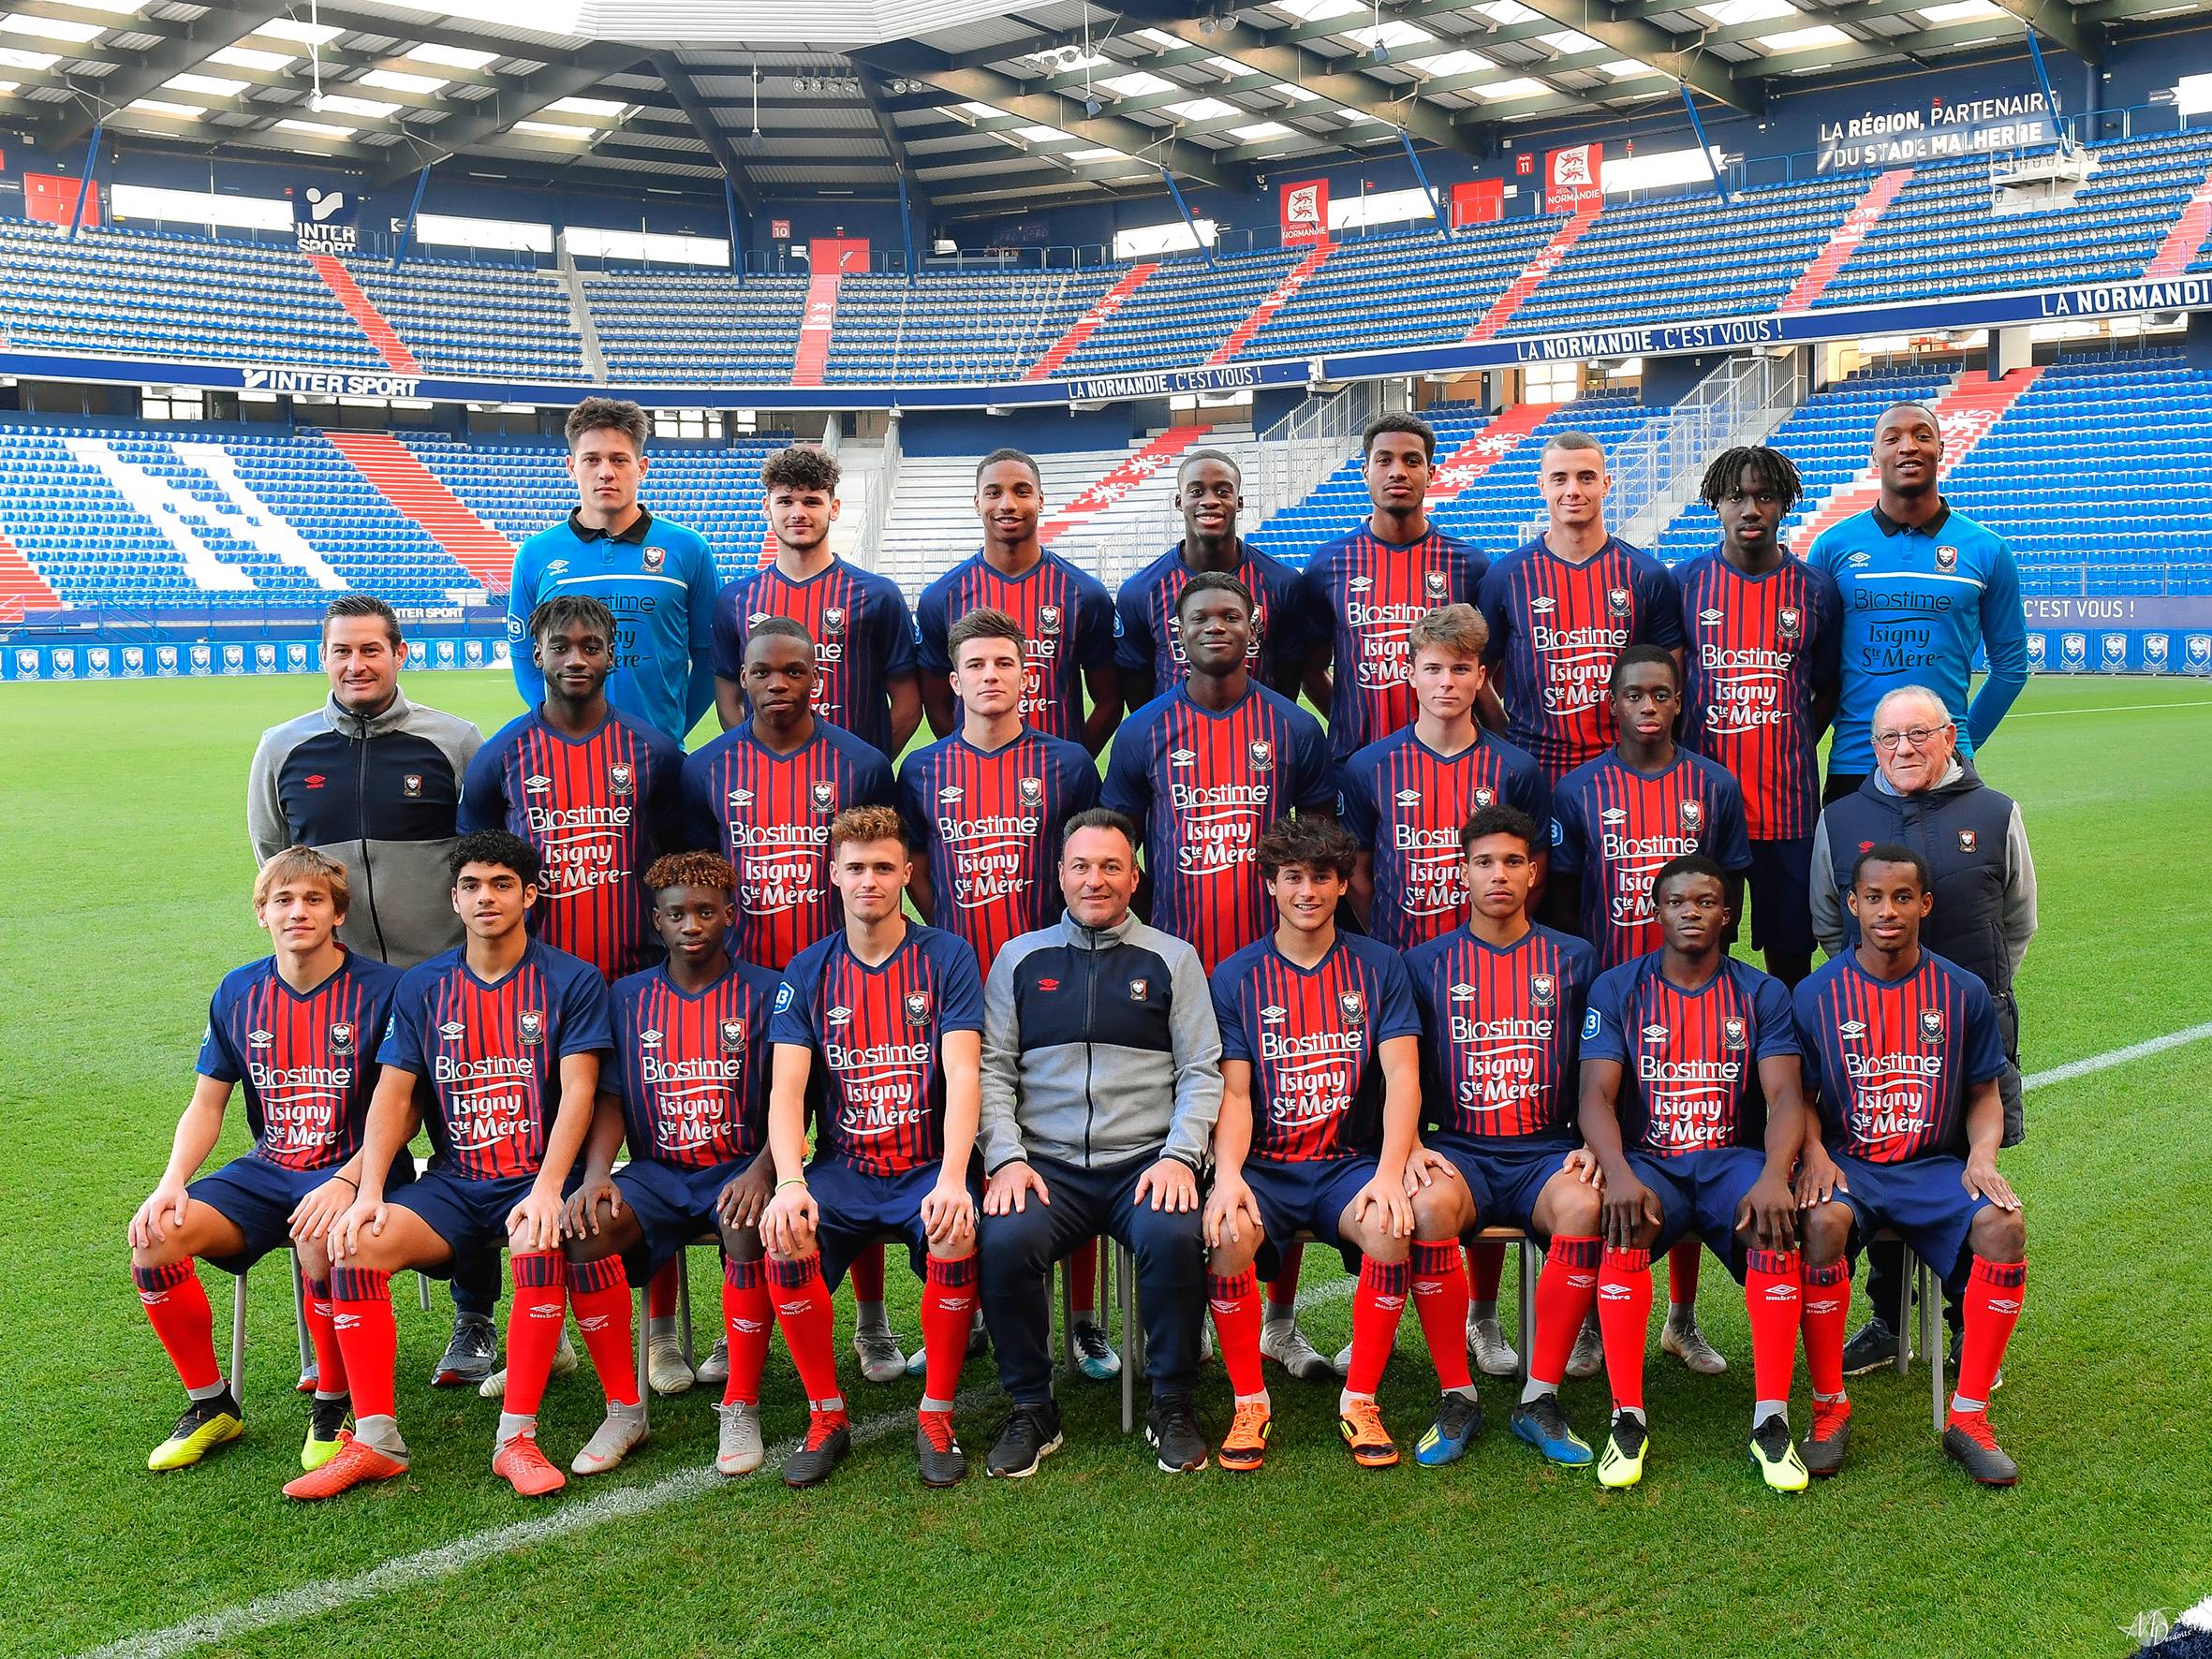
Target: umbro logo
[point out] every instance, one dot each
(1581, 1280)
(1543, 605)
(1710, 619)
(954, 792)
(1781, 1293)
(648, 1039)
(1657, 1033)
(2004, 1305)
(1613, 815)
(1827, 1304)
(452, 1030)
(839, 1016)
(1184, 758)
(1852, 1028)
(741, 798)
(1463, 994)
(589, 1322)
(555, 1311)
(261, 1039)
(346, 1321)
(1613, 1293)
(747, 1327)
(538, 783)
(1273, 1016)
(1409, 798)
(1360, 584)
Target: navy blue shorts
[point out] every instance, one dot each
(1504, 1178)
(257, 1197)
(673, 1204)
(1924, 1202)
(858, 1208)
(1781, 882)
(469, 1215)
(1699, 1192)
(1307, 1196)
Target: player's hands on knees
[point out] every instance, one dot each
(1229, 1209)
(1385, 1203)
(321, 1211)
(535, 1221)
(1172, 1186)
(1981, 1180)
(741, 1202)
(164, 1209)
(947, 1211)
(1581, 1163)
(787, 1226)
(1008, 1189)
(1630, 1207)
(1426, 1168)
(364, 1218)
(1817, 1177)
(580, 1212)
(1770, 1210)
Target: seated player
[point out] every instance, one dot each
(688, 1091)
(1502, 1003)
(503, 1036)
(294, 1028)
(1320, 1074)
(878, 1037)
(1904, 1049)
(1692, 1103)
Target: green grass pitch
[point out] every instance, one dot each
(127, 869)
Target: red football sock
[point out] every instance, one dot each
(1083, 1278)
(866, 1275)
(534, 1325)
(660, 1294)
(599, 1291)
(176, 1303)
(947, 1314)
(746, 1319)
(1282, 1290)
(1376, 1307)
(1682, 1271)
(1773, 1300)
(1564, 1292)
(1235, 1302)
(1827, 1303)
(1624, 1319)
(1439, 1299)
(1995, 1290)
(1485, 1267)
(802, 1309)
(329, 1364)
(360, 1310)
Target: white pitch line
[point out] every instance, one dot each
(2112, 709)
(2112, 1057)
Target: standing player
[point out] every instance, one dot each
(1502, 1005)
(1362, 591)
(1404, 797)
(1905, 1051)
(1209, 492)
(1561, 609)
(878, 1037)
(1320, 1100)
(1923, 589)
(1067, 616)
(655, 576)
(502, 1039)
(293, 1028)
(595, 790)
(863, 631)
(1691, 1104)
(1758, 687)
(688, 1092)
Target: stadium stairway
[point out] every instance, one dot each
(415, 491)
(1084, 326)
(817, 327)
(1547, 258)
(1844, 239)
(1485, 450)
(21, 588)
(1151, 460)
(2179, 251)
(1277, 297)
(358, 305)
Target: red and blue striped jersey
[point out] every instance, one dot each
(863, 639)
(1200, 788)
(989, 823)
(769, 815)
(1760, 649)
(1501, 1027)
(1615, 828)
(1405, 803)
(491, 1054)
(691, 1071)
(598, 809)
(876, 1089)
(1688, 1059)
(1149, 637)
(1066, 614)
(307, 1059)
(1892, 1059)
(1362, 593)
(1310, 1036)
(1554, 629)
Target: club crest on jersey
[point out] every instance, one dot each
(1789, 623)
(655, 558)
(1931, 1025)
(1139, 989)
(1946, 558)
(1432, 584)
(621, 778)
(1262, 753)
(1484, 796)
(411, 786)
(917, 1005)
(1352, 1005)
(1693, 813)
(732, 1032)
(1732, 1034)
(824, 796)
(1616, 601)
(1031, 791)
(1047, 619)
(833, 619)
(342, 1036)
(1544, 990)
(530, 1027)
(1967, 841)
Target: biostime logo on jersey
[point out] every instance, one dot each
(1748, 681)
(1382, 631)
(1219, 825)
(990, 854)
(1575, 663)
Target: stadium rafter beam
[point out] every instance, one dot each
(1649, 43)
(183, 47)
(517, 100)
(905, 60)
(2057, 21)
(902, 161)
(680, 87)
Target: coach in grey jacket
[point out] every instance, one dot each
(374, 780)
(1101, 1082)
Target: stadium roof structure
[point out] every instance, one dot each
(971, 104)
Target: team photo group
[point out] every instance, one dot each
(1139, 953)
